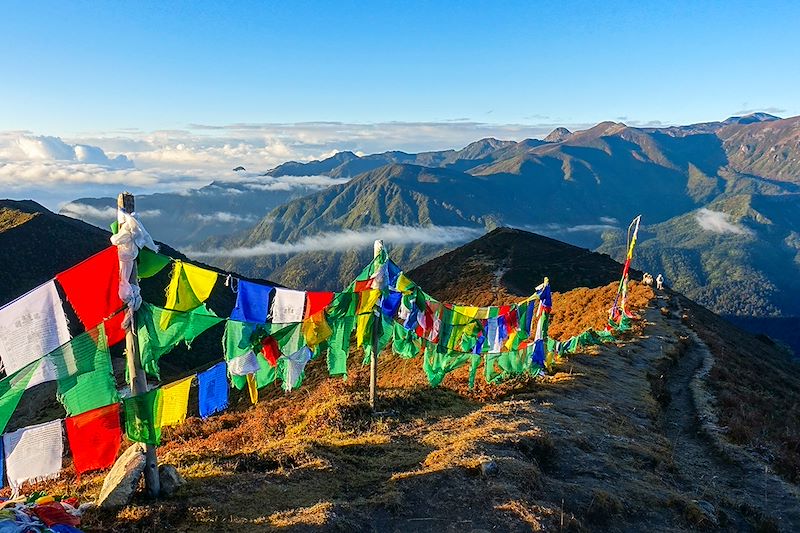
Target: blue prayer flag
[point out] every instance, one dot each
(390, 303)
(213, 390)
(252, 302)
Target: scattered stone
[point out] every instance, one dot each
(665, 311)
(123, 479)
(489, 468)
(170, 479)
(708, 510)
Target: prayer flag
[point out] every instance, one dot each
(155, 340)
(84, 373)
(317, 301)
(33, 453)
(94, 438)
(212, 388)
(151, 263)
(11, 390)
(32, 326)
(92, 288)
(189, 287)
(252, 302)
(252, 388)
(174, 402)
(142, 417)
(287, 306)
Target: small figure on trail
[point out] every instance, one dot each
(660, 282)
(647, 279)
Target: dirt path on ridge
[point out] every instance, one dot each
(727, 484)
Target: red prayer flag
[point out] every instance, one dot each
(52, 513)
(317, 301)
(94, 438)
(270, 350)
(92, 288)
(362, 286)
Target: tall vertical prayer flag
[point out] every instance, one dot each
(92, 289)
(212, 388)
(252, 388)
(33, 453)
(32, 326)
(174, 402)
(94, 438)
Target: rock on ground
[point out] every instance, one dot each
(123, 479)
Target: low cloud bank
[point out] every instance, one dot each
(224, 217)
(719, 222)
(349, 239)
(84, 211)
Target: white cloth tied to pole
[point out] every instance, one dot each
(131, 237)
(287, 306)
(32, 326)
(33, 454)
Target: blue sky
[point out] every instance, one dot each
(71, 67)
(155, 96)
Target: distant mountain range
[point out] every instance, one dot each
(718, 202)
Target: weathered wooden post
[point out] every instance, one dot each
(376, 333)
(137, 376)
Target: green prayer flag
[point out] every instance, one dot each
(385, 332)
(143, 417)
(437, 362)
(154, 342)
(339, 344)
(405, 343)
(341, 316)
(473, 370)
(151, 263)
(85, 375)
(11, 390)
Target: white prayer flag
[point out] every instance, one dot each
(288, 306)
(33, 453)
(32, 326)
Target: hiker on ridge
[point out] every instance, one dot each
(660, 282)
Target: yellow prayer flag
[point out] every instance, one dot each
(403, 283)
(252, 387)
(367, 300)
(482, 313)
(189, 287)
(362, 327)
(174, 401)
(316, 330)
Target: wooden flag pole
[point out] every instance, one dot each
(376, 333)
(138, 379)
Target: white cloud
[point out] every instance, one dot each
(553, 228)
(350, 239)
(609, 220)
(285, 183)
(45, 148)
(719, 222)
(85, 211)
(78, 210)
(225, 217)
(177, 160)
